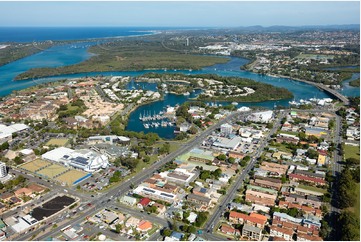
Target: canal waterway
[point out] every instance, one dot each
(75, 53)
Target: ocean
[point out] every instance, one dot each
(36, 34)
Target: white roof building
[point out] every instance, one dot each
(262, 117)
(7, 131)
(192, 217)
(85, 159)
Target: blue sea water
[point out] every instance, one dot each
(31, 34)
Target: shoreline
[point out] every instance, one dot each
(320, 86)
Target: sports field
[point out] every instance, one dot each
(58, 142)
(52, 170)
(34, 165)
(71, 176)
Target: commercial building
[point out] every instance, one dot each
(179, 176)
(3, 170)
(85, 159)
(109, 139)
(6, 132)
(156, 193)
(261, 117)
(226, 129)
(228, 144)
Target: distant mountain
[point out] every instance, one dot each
(280, 28)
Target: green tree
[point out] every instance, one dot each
(201, 218)
(146, 159)
(349, 226)
(167, 232)
(352, 161)
(205, 174)
(347, 191)
(247, 158)
(192, 130)
(18, 160)
(231, 160)
(4, 146)
(217, 173)
(222, 157)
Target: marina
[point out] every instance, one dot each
(156, 120)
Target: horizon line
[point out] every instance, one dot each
(140, 26)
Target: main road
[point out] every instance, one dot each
(122, 188)
(213, 220)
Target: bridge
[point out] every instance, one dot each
(331, 91)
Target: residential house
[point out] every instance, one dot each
(229, 230)
(251, 232)
(277, 216)
(36, 188)
(160, 208)
(144, 226)
(267, 183)
(197, 199)
(253, 219)
(307, 237)
(144, 202)
(284, 233)
(23, 192)
(131, 201)
(132, 222)
(297, 177)
(260, 198)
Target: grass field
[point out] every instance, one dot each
(315, 189)
(52, 170)
(71, 176)
(58, 142)
(34, 165)
(351, 151)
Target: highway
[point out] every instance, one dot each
(213, 220)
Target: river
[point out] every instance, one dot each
(75, 53)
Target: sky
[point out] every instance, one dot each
(179, 14)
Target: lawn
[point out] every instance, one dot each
(52, 171)
(34, 165)
(281, 147)
(351, 151)
(287, 132)
(71, 176)
(58, 142)
(315, 189)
